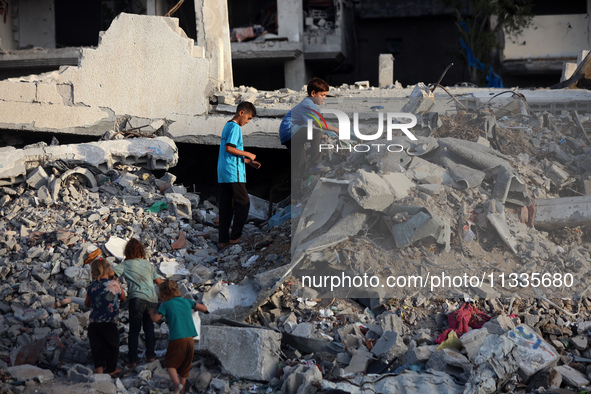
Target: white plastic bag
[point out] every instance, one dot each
(197, 322)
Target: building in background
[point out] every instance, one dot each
(282, 43)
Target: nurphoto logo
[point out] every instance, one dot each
(345, 129)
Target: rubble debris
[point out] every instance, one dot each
(150, 153)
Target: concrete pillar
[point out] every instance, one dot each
(150, 7)
(386, 70)
(290, 17)
(36, 21)
(568, 68)
(213, 33)
(295, 73)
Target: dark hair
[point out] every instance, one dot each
(134, 250)
(317, 85)
(247, 107)
(99, 267)
(169, 288)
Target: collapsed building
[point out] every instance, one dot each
(496, 184)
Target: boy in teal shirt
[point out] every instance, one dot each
(181, 346)
(234, 202)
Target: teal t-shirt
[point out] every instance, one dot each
(178, 314)
(231, 168)
(140, 275)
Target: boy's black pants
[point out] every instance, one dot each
(234, 203)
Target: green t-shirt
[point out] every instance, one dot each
(140, 275)
(178, 314)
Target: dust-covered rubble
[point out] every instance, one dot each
(466, 198)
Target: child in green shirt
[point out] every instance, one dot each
(177, 311)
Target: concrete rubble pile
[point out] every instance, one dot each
(497, 190)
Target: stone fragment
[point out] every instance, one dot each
(571, 376)
(389, 346)
(181, 206)
(243, 352)
(472, 340)
(370, 191)
(451, 362)
(37, 178)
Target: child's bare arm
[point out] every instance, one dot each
(201, 308)
(155, 316)
(235, 151)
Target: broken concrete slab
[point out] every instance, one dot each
(371, 191)
(359, 361)
(555, 213)
(243, 352)
(408, 382)
(389, 346)
(472, 340)
(572, 377)
(532, 352)
(37, 178)
(451, 362)
(30, 372)
(399, 184)
(422, 225)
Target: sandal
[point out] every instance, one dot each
(131, 366)
(116, 373)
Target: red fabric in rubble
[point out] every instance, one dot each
(462, 320)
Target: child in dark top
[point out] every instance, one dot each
(103, 296)
(234, 201)
(177, 311)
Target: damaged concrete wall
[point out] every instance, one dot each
(213, 33)
(144, 66)
(564, 36)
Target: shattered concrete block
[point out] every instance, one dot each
(359, 361)
(423, 171)
(219, 386)
(499, 325)
(12, 166)
(399, 184)
(79, 374)
(557, 175)
(532, 352)
(451, 362)
(243, 352)
(421, 100)
(418, 354)
(72, 324)
(44, 195)
(419, 227)
(127, 179)
(180, 189)
(472, 340)
(571, 376)
(304, 330)
(181, 206)
(168, 178)
(37, 178)
(389, 346)
(300, 379)
(30, 372)
(370, 191)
